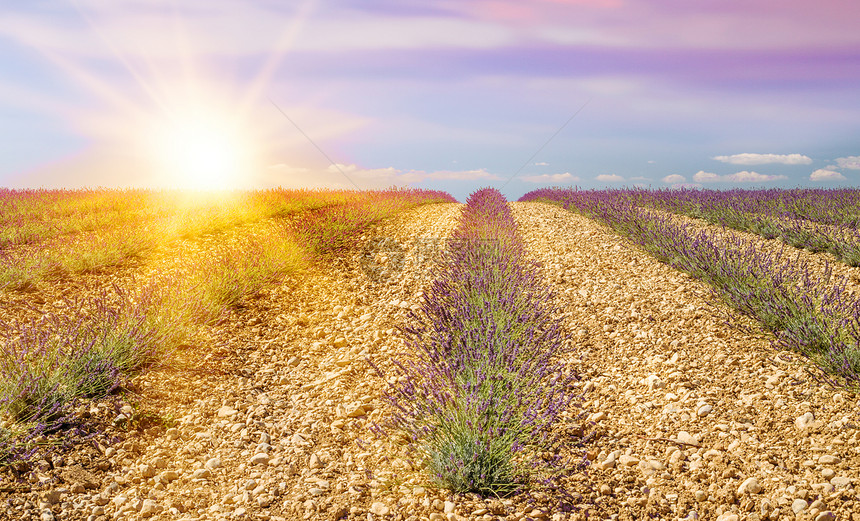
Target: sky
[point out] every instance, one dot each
(444, 94)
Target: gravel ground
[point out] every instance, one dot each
(690, 418)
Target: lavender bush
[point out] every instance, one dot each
(814, 315)
(483, 387)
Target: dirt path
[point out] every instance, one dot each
(691, 419)
(758, 436)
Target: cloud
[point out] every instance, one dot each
(850, 162)
(542, 163)
(740, 177)
(674, 179)
(823, 174)
(705, 177)
(752, 177)
(554, 178)
(762, 159)
(610, 178)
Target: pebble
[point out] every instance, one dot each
(380, 509)
(261, 458)
(213, 463)
(829, 460)
(704, 410)
(798, 506)
(827, 515)
(686, 437)
(803, 421)
(654, 382)
(749, 486)
(840, 482)
(149, 508)
(227, 412)
(628, 461)
(201, 474)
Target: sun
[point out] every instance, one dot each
(203, 152)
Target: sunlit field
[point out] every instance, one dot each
(111, 282)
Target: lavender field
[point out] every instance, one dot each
(396, 355)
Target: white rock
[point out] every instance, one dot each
(704, 410)
(749, 486)
(828, 459)
(380, 509)
(260, 458)
(213, 463)
(803, 421)
(628, 461)
(827, 515)
(148, 508)
(449, 507)
(227, 411)
(201, 474)
(686, 437)
(654, 382)
(798, 506)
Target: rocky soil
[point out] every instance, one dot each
(690, 417)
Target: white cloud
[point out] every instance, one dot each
(850, 162)
(542, 163)
(674, 179)
(610, 178)
(705, 177)
(823, 174)
(739, 177)
(751, 177)
(762, 159)
(554, 178)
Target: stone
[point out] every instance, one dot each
(147, 471)
(261, 458)
(749, 486)
(728, 516)
(827, 515)
(828, 459)
(227, 412)
(802, 422)
(798, 506)
(356, 412)
(654, 382)
(704, 410)
(169, 475)
(149, 508)
(52, 497)
(628, 461)
(609, 462)
(379, 509)
(314, 462)
(840, 482)
(449, 507)
(689, 439)
(213, 463)
(201, 474)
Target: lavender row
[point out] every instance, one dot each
(811, 313)
(817, 220)
(96, 344)
(482, 388)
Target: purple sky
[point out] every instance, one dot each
(446, 94)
